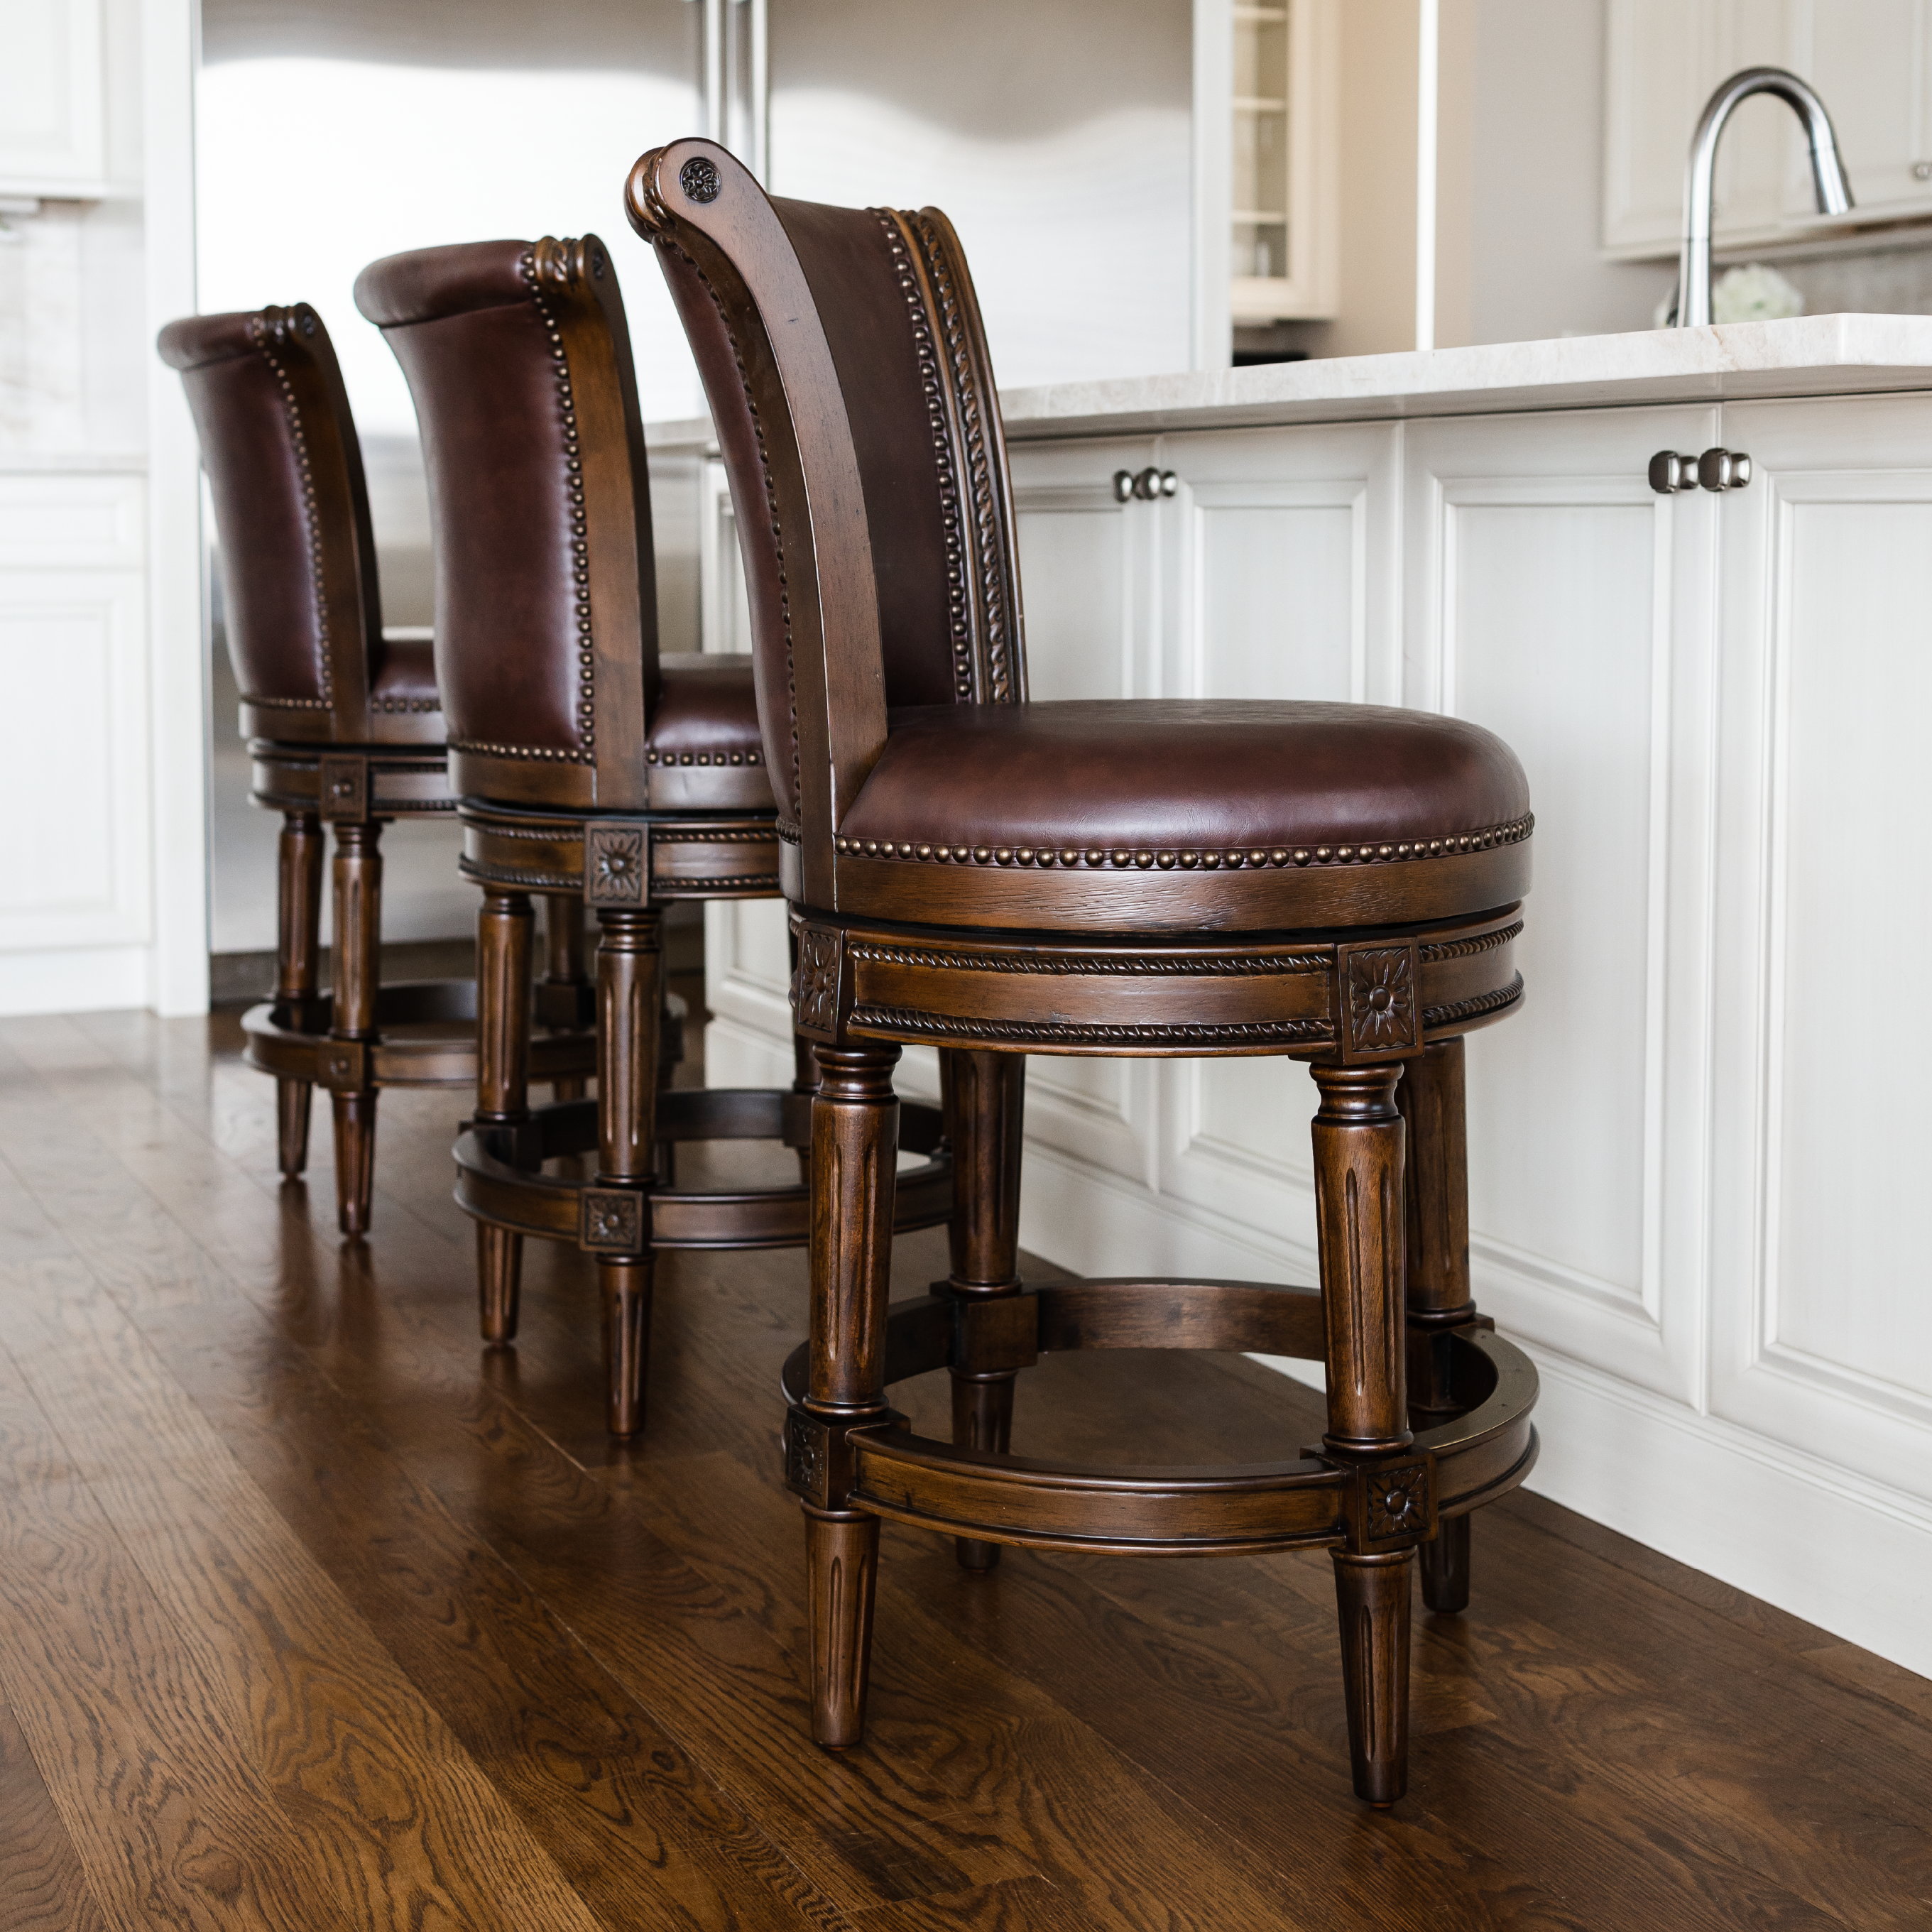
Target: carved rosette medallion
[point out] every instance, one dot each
(1397, 1503)
(613, 1220)
(343, 787)
(616, 865)
(805, 1456)
(698, 178)
(814, 993)
(342, 1066)
(1381, 1014)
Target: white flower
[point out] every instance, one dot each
(1754, 293)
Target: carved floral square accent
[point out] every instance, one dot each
(1382, 1014)
(612, 1219)
(815, 989)
(1398, 1502)
(614, 865)
(805, 1456)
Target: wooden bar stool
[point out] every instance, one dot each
(585, 762)
(1336, 882)
(343, 725)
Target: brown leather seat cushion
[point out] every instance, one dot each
(706, 714)
(1183, 776)
(406, 671)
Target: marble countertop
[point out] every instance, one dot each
(1809, 355)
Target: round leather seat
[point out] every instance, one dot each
(1131, 795)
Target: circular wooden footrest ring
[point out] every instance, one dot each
(289, 1039)
(499, 1176)
(878, 1465)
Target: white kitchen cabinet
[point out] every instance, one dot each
(1871, 63)
(75, 916)
(52, 100)
(1822, 1327)
(1552, 596)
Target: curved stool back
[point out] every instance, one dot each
(588, 762)
(996, 876)
(343, 722)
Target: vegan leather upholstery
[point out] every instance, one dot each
(996, 878)
(536, 666)
(302, 609)
(1142, 783)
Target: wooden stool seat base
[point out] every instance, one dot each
(1387, 1503)
(500, 1178)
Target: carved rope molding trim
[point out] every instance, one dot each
(551, 260)
(899, 1019)
(995, 577)
(1232, 966)
(276, 324)
(1467, 948)
(1474, 1008)
(1143, 858)
(958, 604)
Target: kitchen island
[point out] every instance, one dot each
(1695, 1153)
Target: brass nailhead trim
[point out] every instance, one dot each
(558, 263)
(701, 758)
(1144, 858)
(261, 328)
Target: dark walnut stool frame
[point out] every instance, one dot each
(344, 728)
(1337, 883)
(588, 765)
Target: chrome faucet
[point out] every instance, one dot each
(1827, 174)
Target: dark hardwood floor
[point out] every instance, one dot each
(315, 1613)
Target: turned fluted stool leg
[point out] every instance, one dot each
(630, 992)
(1358, 1197)
(502, 1085)
(854, 1150)
(564, 955)
(1430, 1097)
(984, 1095)
(358, 979)
(297, 961)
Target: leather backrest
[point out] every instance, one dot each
(292, 512)
(891, 401)
(518, 358)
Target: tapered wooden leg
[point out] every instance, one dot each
(503, 929)
(564, 956)
(1359, 1210)
(358, 977)
(841, 1563)
(984, 1095)
(854, 1146)
(1437, 1221)
(1371, 1597)
(630, 990)
(298, 953)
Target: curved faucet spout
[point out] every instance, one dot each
(1827, 174)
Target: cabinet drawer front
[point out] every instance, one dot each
(50, 520)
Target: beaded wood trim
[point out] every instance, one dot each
(1144, 858)
(1133, 964)
(942, 1026)
(268, 327)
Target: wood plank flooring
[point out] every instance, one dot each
(315, 1613)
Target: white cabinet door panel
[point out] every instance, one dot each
(1555, 599)
(1872, 65)
(73, 754)
(1281, 562)
(1090, 585)
(52, 122)
(1823, 1335)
